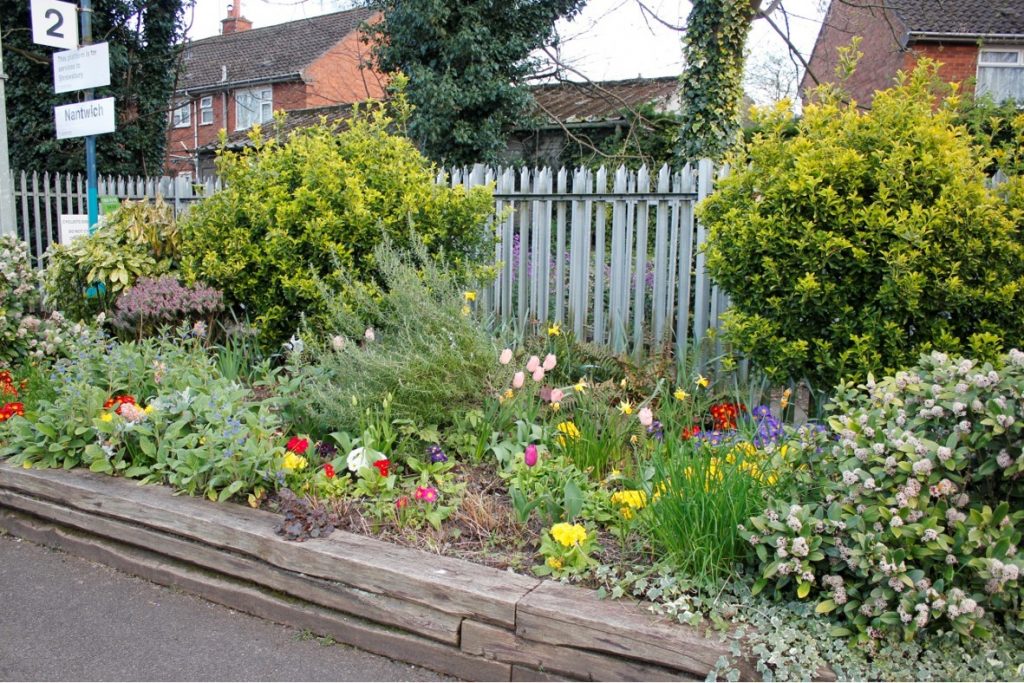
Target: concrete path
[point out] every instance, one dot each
(65, 618)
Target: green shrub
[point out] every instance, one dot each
(864, 239)
(314, 207)
(912, 521)
(25, 330)
(426, 353)
(85, 277)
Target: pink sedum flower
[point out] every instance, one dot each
(549, 362)
(506, 357)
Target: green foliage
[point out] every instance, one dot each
(24, 328)
(912, 521)
(426, 353)
(711, 85)
(85, 277)
(144, 41)
(466, 63)
(307, 212)
(863, 240)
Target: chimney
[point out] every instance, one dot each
(235, 22)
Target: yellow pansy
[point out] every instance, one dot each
(106, 417)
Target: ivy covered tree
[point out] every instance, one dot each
(712, 79)
(144, 36)
(467, 63)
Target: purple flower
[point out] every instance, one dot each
(436, 454)
(530, 456)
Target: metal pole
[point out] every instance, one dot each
(90, 140)
(7, 217)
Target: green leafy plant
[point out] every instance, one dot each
(308, 211)
(863, 239)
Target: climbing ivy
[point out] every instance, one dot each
(467, 63)
(712, 79)
(143, 37)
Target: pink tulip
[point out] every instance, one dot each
(530, 457)
(557, 395)
(645, 416)
(549, 362)
(506, 357)
(538, 375)
(532, 364)
(517, 380)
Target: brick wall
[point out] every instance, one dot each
(880, 32)
(959, 63)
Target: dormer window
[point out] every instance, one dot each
(1001, 73)
(252, 106)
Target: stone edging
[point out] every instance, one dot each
(449, 615)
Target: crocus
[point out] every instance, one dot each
(530, 456)
(506, 357)
(557, 395)
(517, 380)
(532, 364)
(549, 362)
(645, 416)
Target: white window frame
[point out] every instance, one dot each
(1006, 49)
(206, 110)
(264, 95)
(181, 115)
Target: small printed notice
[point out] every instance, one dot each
(86, 67)
(92, 117)
(72, 226)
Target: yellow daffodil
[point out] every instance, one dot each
(680, 395)
(580, 386)
(785, 398)
(634, 439)
(567, 431)
(469, 296)
(626, 408)
(701, 381)
(509, 394)
(554, 330)
(466, 310)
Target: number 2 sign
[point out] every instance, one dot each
(55, 23)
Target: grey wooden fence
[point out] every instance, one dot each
(613, 256)
(40, 199)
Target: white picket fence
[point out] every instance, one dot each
(41, 198)
(612, 256)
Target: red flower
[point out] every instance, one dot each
(689, 432)
(724, 415)
(382, 466)
(329, 470)
(119, 401)
(297, 446)
(10, 410)
(402, 502)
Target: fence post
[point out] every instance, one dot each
(705, 173)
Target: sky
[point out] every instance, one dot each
(609, 40)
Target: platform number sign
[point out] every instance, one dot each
(55, 23)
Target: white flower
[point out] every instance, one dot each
(294, 345)
(337, 342)
(369, 335)
(361, 457)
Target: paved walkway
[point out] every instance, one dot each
(65, 618)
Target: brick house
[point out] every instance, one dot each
(980, 43)
(242, 76)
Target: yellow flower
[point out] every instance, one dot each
(680, 395)
(466, 310)
(293, 462)
(509, 394)
(469, 296)
(634, 439)
(580, 386)
(568, 431)
(554, 563)
(106, 417)
(627, 513)
(554, 330)
(555, 407)
(148, 410)
(568, 534)
(622, 384)
(27, 465)
(701, 381)
(637, 500)
(626, 408)
(785, 398)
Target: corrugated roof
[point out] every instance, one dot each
(265, 53)
(574, 102)
(970, 17)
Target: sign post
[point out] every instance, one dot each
(90, 140)
(7, 218)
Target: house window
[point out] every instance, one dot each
(253, 106)
(206, 110)
(181, 117)
(1001, 73)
